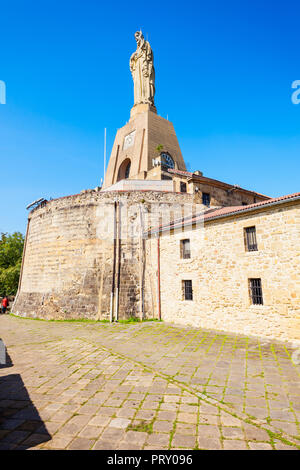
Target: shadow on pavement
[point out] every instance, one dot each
(21, 426)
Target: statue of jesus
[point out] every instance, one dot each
(142, 70)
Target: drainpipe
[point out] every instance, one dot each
(114, 268)
(142, 265)
(158, 277)
(118, 225)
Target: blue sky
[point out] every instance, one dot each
(223, 76)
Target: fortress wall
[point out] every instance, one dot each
(68, 264)
(220, 268)
(68, 260)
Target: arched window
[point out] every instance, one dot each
(167, 160)
(124, 169)
(127, 171)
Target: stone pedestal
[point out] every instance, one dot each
(136, 144)
(142, 108)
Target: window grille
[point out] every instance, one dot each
(256, 291)
(206, 199)
(185, 248)
(187, 290)
(250, 239)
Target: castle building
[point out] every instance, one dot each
(157, 241)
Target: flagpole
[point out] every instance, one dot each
(104, 167)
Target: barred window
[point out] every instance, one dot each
(206, 199)
(187, 290)
(250, 238)
(185, 248)
(182, 187)
(256, 291)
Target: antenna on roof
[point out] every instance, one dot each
(104, 167)
(36, 203)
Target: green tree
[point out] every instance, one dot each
(11, 249)
(159, 148)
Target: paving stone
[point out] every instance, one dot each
(163, 426)
(80, 443)
(88, 409)
(60, 417)
(282, 446)
(208, 419)
(171, 398)
(107, 411)
(69, 373)
(113, 434)
(104, 445)
(145, 414)
(188, 408)
(290, 428)
(126, 412)
(92, 432)
(129, 446)
(146, 447)
(259, 446)
(169, 407)
(158, 439)
(208, 443)
(234, 445)
(207, 430)
(120, 423)
(229, 420)
(189, 429)
(99, 420)
(59, 442)
(136, 437)
(257, 412)
(166, 415)
(181, 440)
(253, 433)
(232, 433)
(187, 417)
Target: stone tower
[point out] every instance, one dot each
(147, 146)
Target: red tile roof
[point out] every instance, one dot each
(207, 180)
(212, 213)
(234, 209)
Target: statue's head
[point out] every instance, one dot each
(138, 36)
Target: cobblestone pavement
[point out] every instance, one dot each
(79, 385)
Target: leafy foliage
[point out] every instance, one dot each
(11, 249)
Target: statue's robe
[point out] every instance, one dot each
(142, 69)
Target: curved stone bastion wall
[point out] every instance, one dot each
(84, 255)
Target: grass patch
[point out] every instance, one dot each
(79, 320)
(85, 320)
(259, 375)
(138, 320)
(143, 426)
(67, 320)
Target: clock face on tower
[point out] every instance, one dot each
(129, 140)
(167, 160)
